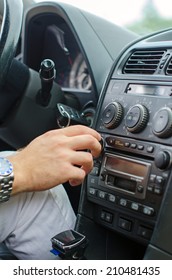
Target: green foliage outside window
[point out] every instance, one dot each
(151, 21)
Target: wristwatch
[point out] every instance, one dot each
(6, 179)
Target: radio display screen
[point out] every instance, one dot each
(125, 166)
(153, 90)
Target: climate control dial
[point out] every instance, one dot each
(136, 118)
(162, 123)
(112, 115)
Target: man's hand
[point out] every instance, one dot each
(54, 158)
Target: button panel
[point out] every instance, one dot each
(156, 184)
(130, 145)
(121, 202)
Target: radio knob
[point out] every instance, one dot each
(112, 115)
(162, 123)
(163, 160)
(136, 118)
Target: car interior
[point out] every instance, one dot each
(111, 79)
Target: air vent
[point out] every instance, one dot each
(169, 68)
(143, 62)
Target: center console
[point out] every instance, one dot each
(130, 179)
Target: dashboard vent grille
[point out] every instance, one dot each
(143, 62)
(169, 68)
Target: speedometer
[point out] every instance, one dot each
(79, 76)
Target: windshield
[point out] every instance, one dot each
(140, 16)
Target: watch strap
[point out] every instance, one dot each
(6, 187)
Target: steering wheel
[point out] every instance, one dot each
(9, 35)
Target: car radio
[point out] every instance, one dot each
(125, 175)
(129, 180)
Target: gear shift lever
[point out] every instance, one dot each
(47, 74)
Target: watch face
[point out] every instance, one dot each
(6, 167)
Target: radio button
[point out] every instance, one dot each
(134, 206)
(150, 149)
(127, 144)
(92, 191)
(140, 189)
(133, 146)
(150, 188)
(95, 171)
(101, 194)
(92, 181)
(111, 197)
(140, 147)
(158, 190)
(152, 178)
(159, 180)
(148, 211)
(123, 202)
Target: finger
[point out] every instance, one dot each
(80, 130)
(86, 142)
(85, 160)
(77, 182)
(74, 183)
(77, 176)
(82, 159)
